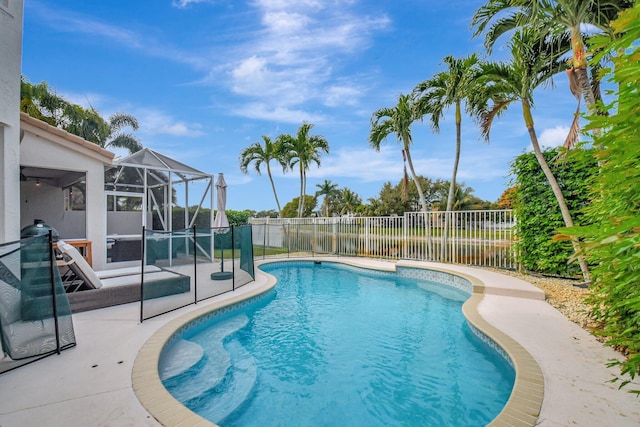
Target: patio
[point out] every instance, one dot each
(91, 385)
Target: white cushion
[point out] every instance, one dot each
(126, 271)
(137, 279)
(82, 264)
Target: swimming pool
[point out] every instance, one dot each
(338, 345)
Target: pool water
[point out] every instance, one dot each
(340, 346)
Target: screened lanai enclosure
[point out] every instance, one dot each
(151, 191)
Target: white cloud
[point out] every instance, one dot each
(181, 4)
(155, 122)
(337, 96)
(552, 137)
(285, 22)
(276, 113)
(290, 60)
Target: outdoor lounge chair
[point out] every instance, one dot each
(113, 287)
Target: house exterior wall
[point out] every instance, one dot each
(11, 12)
(47, 147)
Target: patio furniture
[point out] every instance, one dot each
(121, 286)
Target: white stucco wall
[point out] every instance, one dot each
(47, 147)
(10, 65)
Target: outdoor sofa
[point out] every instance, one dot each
(92, 290)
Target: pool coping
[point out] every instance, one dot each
(522, 408)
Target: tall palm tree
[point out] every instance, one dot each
(117, 139)
(328, 190)
(303, 149)
(259, 154)
(497, 17)
(398, 120)
(453, 87)
(534, 62)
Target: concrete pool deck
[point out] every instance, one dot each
(91, 384)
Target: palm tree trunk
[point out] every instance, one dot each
(579, 64)
(564, 209)
(301, 192)
(273, 187)
(587, 91)
(452, 185)
(423, 203)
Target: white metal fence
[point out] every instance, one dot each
(482, 238)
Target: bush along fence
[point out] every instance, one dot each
(482, 238)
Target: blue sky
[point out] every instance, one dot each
(206, 78)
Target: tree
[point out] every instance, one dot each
(569, 16)
(329, 191)
(259, 154)
(453, 87)
(398, 120)
(534, 61)
(506, 199)
(611, 227)
(117, 139)
(349, 201)
(290, 210)
(463, 200)
(38, 101)
(303, 149)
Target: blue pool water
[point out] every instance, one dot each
(340, 346)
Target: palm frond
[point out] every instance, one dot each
(574, 130)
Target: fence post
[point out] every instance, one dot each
(53, 290)
(142, 253)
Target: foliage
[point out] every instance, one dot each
(238, 217)
(259, 154)
(202, 220)
(330, 192)
(612, 233)
(391, 200)
(271, 213)
(463, 199)
(456, 86)
(302, 149)
(290, 210)
(507, 198)
(40, 102)
(539, 215)
(398, 120)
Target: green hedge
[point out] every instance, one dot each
(538, 215)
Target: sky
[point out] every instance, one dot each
(207, 78)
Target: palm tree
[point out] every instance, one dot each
(555, 16)
(398, 120)
(349, 201)
(328, 190)
(451, 87)
(534, 62)
(116, 139)
(303, 149)
(258, 154)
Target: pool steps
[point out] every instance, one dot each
(179, 357)
(212, 366)
(228, 395)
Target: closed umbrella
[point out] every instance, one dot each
(221, 222)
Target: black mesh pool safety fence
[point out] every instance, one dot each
(35, 316)
(183, 267)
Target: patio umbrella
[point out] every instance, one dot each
(221, 222)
